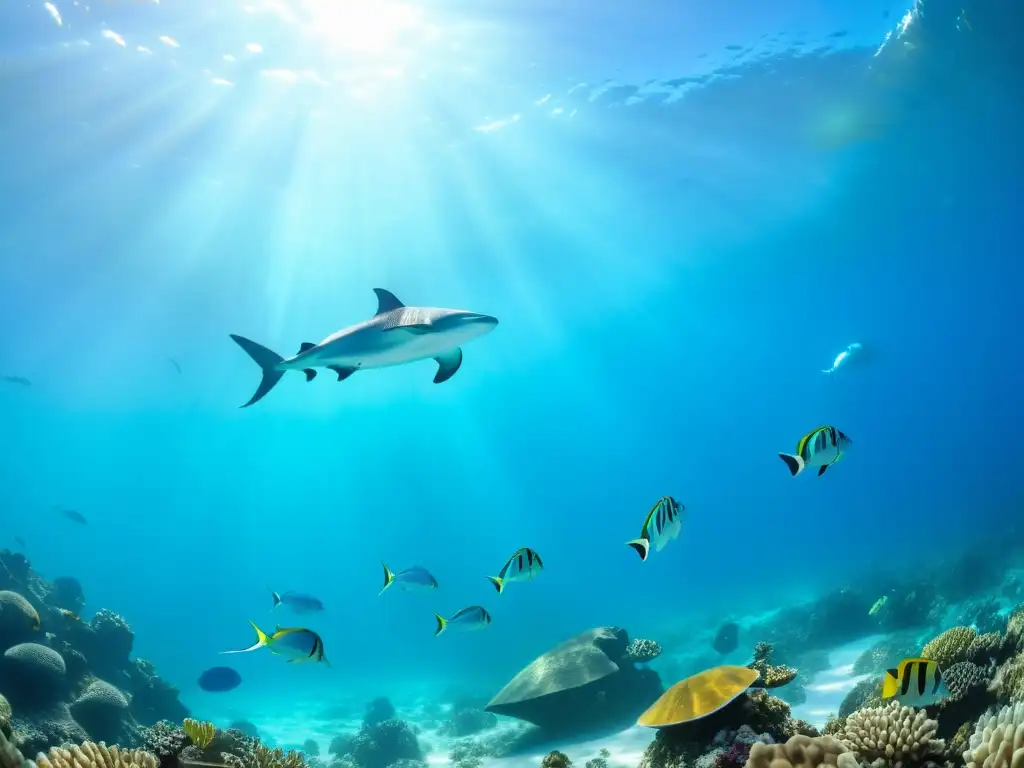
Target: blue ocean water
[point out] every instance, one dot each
(679, 214)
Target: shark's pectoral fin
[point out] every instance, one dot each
(448, 364)
(386, 301)
(305, 347)
(310, 373)
(343, 373)
(418, 328)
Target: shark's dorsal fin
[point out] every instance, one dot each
(305, 347)
(386, 301)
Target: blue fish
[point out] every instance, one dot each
(297, 601)
(416, 578)
(297, 643)
(466, 620)
(219, 679)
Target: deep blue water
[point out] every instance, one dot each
(675, 245)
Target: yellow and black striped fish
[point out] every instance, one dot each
(915, 680)
(661, 526)
(524, 565)
(821, 447)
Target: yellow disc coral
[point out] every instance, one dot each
(201, 734)
(698, 696)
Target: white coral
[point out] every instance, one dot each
(892, 732)
(998, 740)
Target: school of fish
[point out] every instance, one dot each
(818, 449)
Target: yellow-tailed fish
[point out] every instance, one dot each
(524, 565)
(915, 682)
(296, 643)
(820, 448)
(466, 620)
(69, 614)
(661, 526)
(415, 578)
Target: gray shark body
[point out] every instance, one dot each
(397, 334)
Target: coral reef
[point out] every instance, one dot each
(680, 745)
(772, 676)
(998, 740)
(379, 744)
(555, 759)
(70, 681)
(466, 722)
(894, 733)
(801, 751)
(378, 710)
(950, 647)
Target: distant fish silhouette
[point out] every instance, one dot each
(71, 514)
(175, 364)
(17, 380)
(20, 542)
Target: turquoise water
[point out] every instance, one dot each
(679, 217)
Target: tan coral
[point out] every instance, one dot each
(998, 740)
(801, 752)
(950, 647)
(91, 755)
(892, 732)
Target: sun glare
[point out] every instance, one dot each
(353, 26)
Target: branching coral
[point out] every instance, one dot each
(950, 647)
(641, 651)
(894, 733)
(90, 755)
(772, 675)
(998, 740)
(265, 757)
(200, 733)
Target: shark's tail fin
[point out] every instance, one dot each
(267, 360)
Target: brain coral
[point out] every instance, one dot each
(35, 665)
(998, 740)
(951, 647)
(893, 733)
(101, 709)
(17, 617)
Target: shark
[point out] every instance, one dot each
(395, 335)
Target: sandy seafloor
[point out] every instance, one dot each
(825, 691)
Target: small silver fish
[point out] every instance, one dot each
(72, 514)
(415, 578)
(821, 447)
(297, 601)
(845, 358)
(468, 619)
(524, 565)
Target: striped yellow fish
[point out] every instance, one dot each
(661, 526)
(821, 447)
(915, 682)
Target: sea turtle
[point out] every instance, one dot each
(584, 680)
